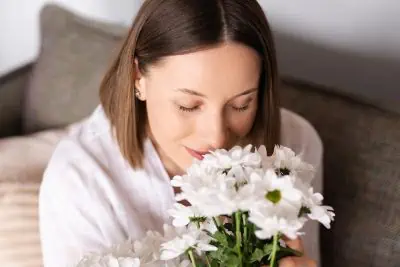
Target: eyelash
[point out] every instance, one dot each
(185, 109)
(241, 109)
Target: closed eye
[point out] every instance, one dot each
(242, 108)
(187, 109)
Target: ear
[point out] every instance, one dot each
(140, 82)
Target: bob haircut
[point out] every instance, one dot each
(172, 27)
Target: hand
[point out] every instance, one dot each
(303, 261)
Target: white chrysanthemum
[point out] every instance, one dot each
(209, 226)
(222, 159)
(313, 208)
(277, 194)
(183, 215)
(286, 162)
(270, 225)
(211, 194)
(147, 249)
(140, 253)
(109, 261)
(124, 249)
(118, 256)
(187, 238)
(198, 177)
(266, 162)
(179, 262)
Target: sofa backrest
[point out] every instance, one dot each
(361, 175)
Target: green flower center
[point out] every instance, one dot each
(274, 196)
(197, 219)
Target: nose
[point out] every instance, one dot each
(216, 131)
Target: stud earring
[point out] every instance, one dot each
(138, 94)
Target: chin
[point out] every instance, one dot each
(186, 164)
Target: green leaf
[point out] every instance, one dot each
(215, 263)
(221, 238)
(232, 261)
(303, 211)
(257, 255)
(221, 255)
(268, 249)
(287, 252)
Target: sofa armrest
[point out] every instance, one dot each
(12, 89)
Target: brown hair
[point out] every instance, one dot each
(170, 27)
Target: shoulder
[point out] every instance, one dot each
(300, 135)
(75, 160)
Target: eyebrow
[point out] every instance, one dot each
(193, 92)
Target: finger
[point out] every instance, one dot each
(297, 262)
(296, 244)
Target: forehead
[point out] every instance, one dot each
(229, 65)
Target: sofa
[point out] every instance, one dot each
(41, 100)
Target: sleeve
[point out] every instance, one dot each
(313, 154)
(74, 216)
(302, 137)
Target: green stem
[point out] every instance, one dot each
(238, 219)
(191, 256)
(244, 217)
(208, 261)
(216, 222)
(274, 249)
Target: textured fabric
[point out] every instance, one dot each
(22, 162)
(19, 236)
(362, 176)
(12, 88)
(91, 198)
(75, 54)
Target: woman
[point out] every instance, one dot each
(191, 76)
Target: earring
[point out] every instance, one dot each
(138, 94)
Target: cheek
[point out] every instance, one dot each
(240, 123)
(165, 121)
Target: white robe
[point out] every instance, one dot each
(91, 199)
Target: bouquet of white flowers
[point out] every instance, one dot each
(242, 202)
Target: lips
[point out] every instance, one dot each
(196, 154)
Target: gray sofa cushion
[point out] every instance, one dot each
(75, 53)
(12, 88)
(362, 176)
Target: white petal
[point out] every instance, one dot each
(129, 262)
(112, 262)
(206, 247)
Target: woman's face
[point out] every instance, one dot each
(200, 101)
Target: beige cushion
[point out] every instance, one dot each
(22, 162)
(74, 56)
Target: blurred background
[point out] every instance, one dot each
(350, 45)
